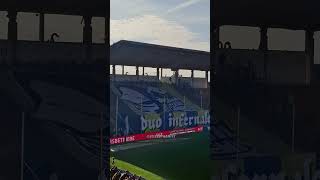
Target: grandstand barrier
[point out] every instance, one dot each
(130, 78)
(154, 135)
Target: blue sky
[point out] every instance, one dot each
(180, 23)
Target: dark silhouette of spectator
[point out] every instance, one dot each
(227, 45)
(53, 36)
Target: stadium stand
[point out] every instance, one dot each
(149, 98)
(143, 105)
(195, 95)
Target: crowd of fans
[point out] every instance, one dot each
(118, 174)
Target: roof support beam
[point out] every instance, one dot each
(41, 27)
(176, 77)
(216, 37)
(216, 40)
(87, 29)
(12, 34)
(264, 48)
(106, 32)
(158, 73)
(114, 70)
(137, 71)
(12, 25)
(87, 36)
(263, 38)
(207, 76)
(192, 77)
(309, 49)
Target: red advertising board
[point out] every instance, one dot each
(154, 135)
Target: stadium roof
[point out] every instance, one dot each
(97, 8)
(149, 55)
(286, 14)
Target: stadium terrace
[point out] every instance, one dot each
(146, 103)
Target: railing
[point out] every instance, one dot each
(133, 78)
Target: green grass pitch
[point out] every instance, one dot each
(181, 159)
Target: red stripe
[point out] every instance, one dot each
(154, 135)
